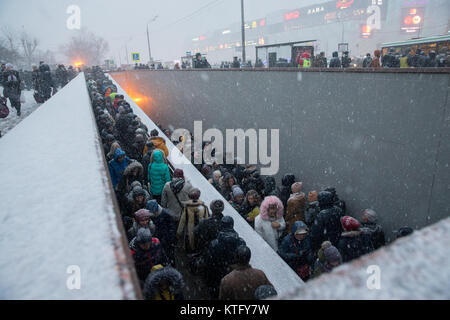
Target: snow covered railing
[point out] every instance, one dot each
(264, 257)
(411, 268)
(59, 232)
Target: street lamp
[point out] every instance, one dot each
(243, 31)
(148, 38)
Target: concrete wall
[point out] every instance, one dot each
(382, 139)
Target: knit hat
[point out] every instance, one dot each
(297, 187)
(142, 214)
(178, 173)
(350, 224)
(332, 254)
(325, 244)
(237, 191)
(265, 291)
(370, 215)
(143, 236)
(217, 206)
(152, 206)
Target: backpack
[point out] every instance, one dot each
(4, 110)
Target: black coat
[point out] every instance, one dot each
(165, 229)
(206, 231)
(327, 226)
(335, 63)
(144, 261)
(353, 245)
(11, 84)
(375, 234)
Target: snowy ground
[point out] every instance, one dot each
(12, 120)
(58, 223)
(411, 268)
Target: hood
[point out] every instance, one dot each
(270, 200)
(288, 180)
(298, 225)
(118, 153)
(132, 166)
(325, 199)
(226, 223)
(158, 156)
(169, 274)
(157, 141)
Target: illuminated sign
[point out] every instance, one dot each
(136, 57)
(262, 23)
(202, 38)
(366, 31)
(344, 4)
(226, 32)
(316, 10)
(292, 15)
(412, 19)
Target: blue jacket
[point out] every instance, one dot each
(296, 253)
(158, 173)
(116, 168)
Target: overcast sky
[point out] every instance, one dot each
(123, 22)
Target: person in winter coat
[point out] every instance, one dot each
(352, 244)
(158, 174)
(164, 283)
(133, 172)
(372, 229)
(270, 222)
(327, 225)
(295, 206)
(117, 166)
(221, 255)
(335, 62)
(313, 208)
(136, 199)
(215, 180)
(112, 151)
(173, 197)
(287, 182)
(229, 181)
(252, 180)
(12, 87)
(147, 252)
(304, 60)
(270, 187)
(61, 75)
(337, 202)
(367, 61)
(328, 258)
(237, 197)
(146, 160)
(165, 228)
(208, 229)
(376, 60)
(242, 282)
(136, 148)
(47, 86)
(193, 212)
(296, 250)
(249, 210)
(141, 220)
(158, 143)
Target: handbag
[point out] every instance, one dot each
(4, 110)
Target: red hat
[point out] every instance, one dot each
(350, 224)
(306, 55)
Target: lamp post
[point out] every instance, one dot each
(243, 31)
(148, 38)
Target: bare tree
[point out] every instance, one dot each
(86, 47)
(8, 46)
(29, 45)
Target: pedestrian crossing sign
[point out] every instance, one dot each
(136, 57)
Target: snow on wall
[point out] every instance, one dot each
(277, 271)
(411, 268)
(56, 209)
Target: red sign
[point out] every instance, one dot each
(343, 4)
(262, 23)
(292, 15)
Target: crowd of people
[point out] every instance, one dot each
(163, 214)
(42, 80)
(165, 217)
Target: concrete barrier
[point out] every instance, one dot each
(381, 138)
